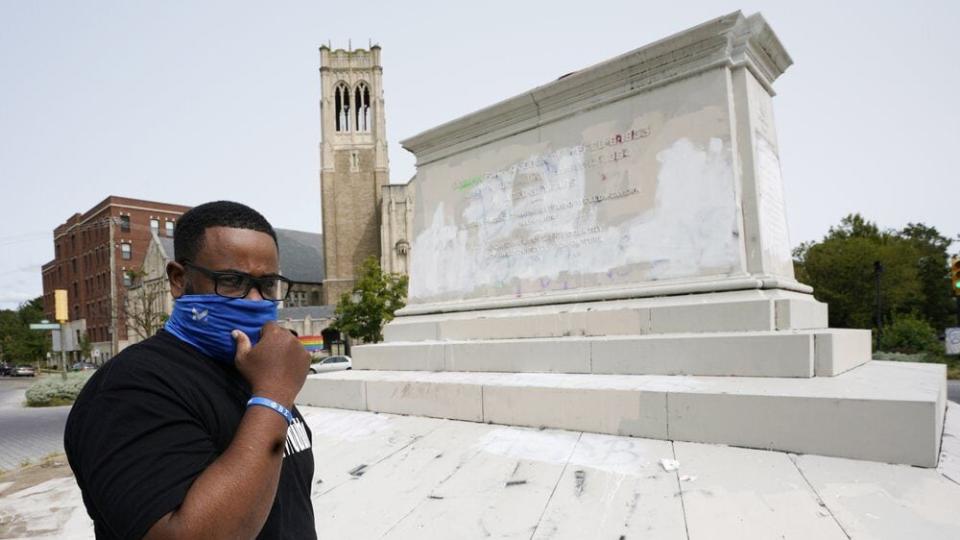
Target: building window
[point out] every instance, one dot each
(361, 102)
(127, 279)
(125, 223)
(169, 226)
(341, 102)
(154, 225)
(126, 252)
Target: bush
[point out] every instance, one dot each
(910, 335)
(900, 357)
(53, 390)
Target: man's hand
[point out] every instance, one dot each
(276, 367)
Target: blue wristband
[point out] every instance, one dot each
(271, 404)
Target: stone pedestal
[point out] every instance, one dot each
(609, 252)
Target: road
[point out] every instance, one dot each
(28, 434)
(953, 391)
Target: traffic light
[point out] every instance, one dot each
(955, 274)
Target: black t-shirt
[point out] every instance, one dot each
(151, 420)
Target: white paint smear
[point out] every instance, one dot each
(610, 453)
(49, 507)
(345, 425)
(773, 219)
(549, 446)
(690, 230)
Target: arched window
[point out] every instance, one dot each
(341, 101)
(361, 101)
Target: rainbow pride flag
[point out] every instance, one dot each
(312, 343)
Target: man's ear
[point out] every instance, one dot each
(177, 278)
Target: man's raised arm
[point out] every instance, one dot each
(233, 496)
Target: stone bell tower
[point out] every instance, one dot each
(353, 162)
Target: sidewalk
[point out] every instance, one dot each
(404, 477)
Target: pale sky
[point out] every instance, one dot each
(185, 102)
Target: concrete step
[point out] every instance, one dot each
(732, 311)
(803, 353)
(882, 411)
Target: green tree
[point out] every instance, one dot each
(371, 304)
(936, 302)
(86, 348)
(841, 270)
(18, 342)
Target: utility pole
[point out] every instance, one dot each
(113, 290)
(61, 305)
(955, 282)
(877, 272)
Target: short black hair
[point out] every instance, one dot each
(189, 232)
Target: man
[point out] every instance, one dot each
(193, 433)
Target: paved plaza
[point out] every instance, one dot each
(388, 476)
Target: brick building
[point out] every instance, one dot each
(93, 253)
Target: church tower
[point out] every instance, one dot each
(353, 163)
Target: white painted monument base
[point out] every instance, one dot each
(757, 333)
(799, 353)
(882, 411)
(609, 253)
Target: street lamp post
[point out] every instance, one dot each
(877, 272)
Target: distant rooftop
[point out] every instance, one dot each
(301, 254)
(166, 245)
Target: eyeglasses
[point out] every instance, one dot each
(238, 284)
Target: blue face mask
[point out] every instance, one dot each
(206, 321)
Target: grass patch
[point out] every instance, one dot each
(54, 402)
(952, 362)
(54, 390)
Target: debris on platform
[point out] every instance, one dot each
(669, 465)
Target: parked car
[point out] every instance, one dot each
(82, 366)
(332, 363)
(23, 371)
(5, 369)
